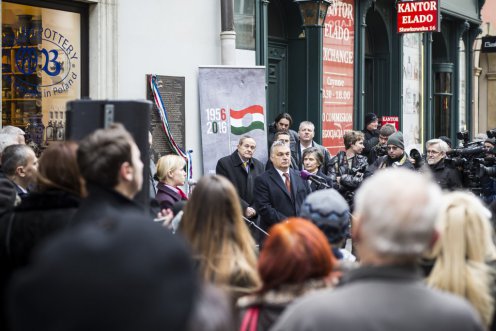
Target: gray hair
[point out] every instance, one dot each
(14, 130)
(14, 156)
(306, 123)
(387, 130)
(443, 146)
(399, 222)
(277, 143)
(7, 139)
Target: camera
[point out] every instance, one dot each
(487, 171)
(380, 150)
(491, 133)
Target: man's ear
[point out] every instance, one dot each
(126, 172)
(356, 228)
(20, 171)
(434, 238)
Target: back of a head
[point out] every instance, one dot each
(212, 223)
(131, 276)
(101, 154)
(461, 253)
(462, 218)
(397, 210)
(295, 251)
(58, 169)
(328, 210)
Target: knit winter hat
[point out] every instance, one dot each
(396, 139)
(131, 275)
(369, 118)
(330, 212)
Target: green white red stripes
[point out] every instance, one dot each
(246, 120)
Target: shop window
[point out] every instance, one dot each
(244, 24)
(41, 69)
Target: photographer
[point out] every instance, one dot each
(349, 166)
(488, 183)
(381, 148)
(396, 157)
(447, 177)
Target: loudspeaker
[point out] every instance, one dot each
(85, 116)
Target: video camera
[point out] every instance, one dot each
(471, 160)
(380, 150)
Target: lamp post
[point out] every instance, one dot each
(313, 14)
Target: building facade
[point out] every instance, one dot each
(332, 75)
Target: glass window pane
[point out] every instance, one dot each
(41, 69)
(244, 24)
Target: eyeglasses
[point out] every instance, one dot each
(433, 152)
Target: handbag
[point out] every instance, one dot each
(250, 320)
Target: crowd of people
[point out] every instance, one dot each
(254, 247)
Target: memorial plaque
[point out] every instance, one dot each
(171, 90)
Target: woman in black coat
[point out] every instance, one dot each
(312, 163)
(41, 214)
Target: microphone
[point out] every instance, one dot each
(314, 178)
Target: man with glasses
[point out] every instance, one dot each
(447, 177)
(241, 168)
(395, 158)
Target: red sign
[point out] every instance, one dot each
(394, 120)
(418, 16)
(338, 58)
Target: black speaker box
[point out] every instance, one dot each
(85, 116)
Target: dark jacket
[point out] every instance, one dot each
(350, 177)
(314, 186)
(293, 136)
(22, 230)
(272, 200)
(371, 138)
(386, 162)
(166, 197)
(233, 169)
(296, 154)
(448, 178)
(102, 203)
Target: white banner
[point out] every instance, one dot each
(232, 104)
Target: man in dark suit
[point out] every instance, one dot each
(280, 191)
(241, 168)
(306, 133)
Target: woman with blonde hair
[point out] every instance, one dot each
(221, 242)
(465, 253)
(171, 175)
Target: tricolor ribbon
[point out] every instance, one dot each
(165, 125)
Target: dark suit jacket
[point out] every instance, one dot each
(272, 200)
(232, 168)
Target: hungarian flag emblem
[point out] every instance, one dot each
(246, 120)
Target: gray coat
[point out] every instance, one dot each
(380, 299)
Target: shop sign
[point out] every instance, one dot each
(394, 120)
(488, 44)
(53, 61)
(418, 16)
(338, 75)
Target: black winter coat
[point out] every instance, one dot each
(448, 178)
(22, 230)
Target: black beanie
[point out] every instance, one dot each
(446, 140)
(369, 118)
(396, 139)
(133, 275)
